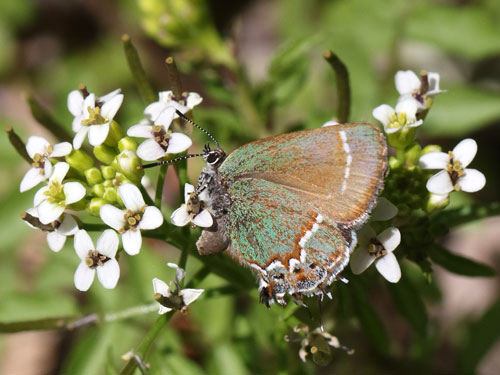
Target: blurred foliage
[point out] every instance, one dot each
(49, 47)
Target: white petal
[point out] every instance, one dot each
(61, 149)
(179, 272)
(472, 181)
(440, 183)
(165, 96)
(190, 295)
(84, 276)
(68, 226)
(107, 243)
(390, 238)
(389, 268)
(89, 101)
(415, 124)
(407, 106)
(360, 260)
(154, 109)
(433, 79)
(73, 191)
(59, 172)
(193, 99)
(406, 82)
(75, 102)
(384, 210)
(109, 109)
(132, 241)
(204, 195)
(98, 134)
(36, 145)
(365, 234)
(180, 217)
(40, 196)
(131, 197)
(109, 273)
(161, 287)
(79, 137)
(163, 309)
(109, 96)
(188, 189)
(383, 113)
(83, 244)
(434, 160)
(392, 129)
(203, 219)
(56, 241)
(149, 150)
(48, 212)
(178, 143)
(465, 151)
(140, 131)
(329, 123)
(32, 178)
(76, 124)
(112, 216)
(47, 169)
(165, 117)
(151, 219)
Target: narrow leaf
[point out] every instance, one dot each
(47, 121)
(343, 86)
(458, 264)
(17, 143)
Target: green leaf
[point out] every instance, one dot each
(409, 303)
(461, 110)
(458, 264)
(226, 361)
(482, 336)
(469, 31)
(370, 321)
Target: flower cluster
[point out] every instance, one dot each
(107, 184)
(409, 185)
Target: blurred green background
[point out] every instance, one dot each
(259, 67)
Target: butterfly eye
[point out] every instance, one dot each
(213, 158)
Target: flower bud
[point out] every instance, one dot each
(413, 154)
(437, 202)
(110, 194)
(79, 160)
(108, 172)
(127, 143)
(127, 163)
(95, 205)
(97, 190)
(104, 154)
(114, 135)
(431, 148)
(93, 176)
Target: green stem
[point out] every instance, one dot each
(343, 86)
(35, 325)
(181, 169)
(145, 194)
(17, 143)
(134, 63)
(159, 185)
(133, 311)
(93, 227)
(47, 121)
(146, 343)
(173, 77)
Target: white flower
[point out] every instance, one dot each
(160, 143)
(100, 258)
(56, 238)
(40, 150)
(161, 112)
(93, 116)
(131, 221)
(194, 210)
(377, 249)
(174, 298)
(410, 86)
(384, 210)
(51, 200)
(454, 174)
(402, 117)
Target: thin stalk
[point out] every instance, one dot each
(159, 185)
(17, 143)
(173, 77)
(134, 63)
(343, 86)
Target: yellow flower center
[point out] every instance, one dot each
(455, 170)
(55, 193)
(132, 219)
(95, 117)
(95, 259)
(161, 136)
(376, 248)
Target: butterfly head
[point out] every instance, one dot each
(213, 158)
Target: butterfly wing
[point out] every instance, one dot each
(339, 168)
(286, 241)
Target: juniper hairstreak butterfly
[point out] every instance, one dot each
(288, 206)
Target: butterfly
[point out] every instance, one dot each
(288, 206)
